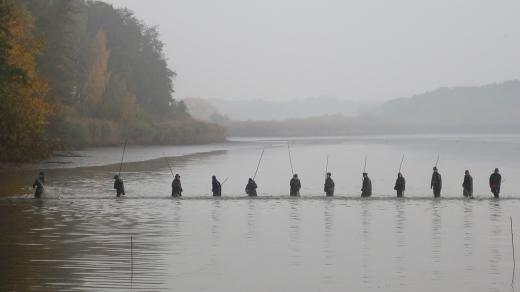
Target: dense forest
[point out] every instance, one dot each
(78, 73)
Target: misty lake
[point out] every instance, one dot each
(80, 237)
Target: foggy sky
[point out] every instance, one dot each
(362, 50)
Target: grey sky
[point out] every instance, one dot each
(364, 50)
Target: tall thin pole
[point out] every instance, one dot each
(290, 159)
(122, 157)
(327, 166)
(224, 181)
(513, 245)
(259, 160)
(169, 166)
(365, 167)
(437, 162)
(401, 165)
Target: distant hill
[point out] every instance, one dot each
(265, 110)
(489, 106)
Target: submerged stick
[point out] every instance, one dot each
(401, 165)
(122, 157)
(131, 261)
(290, 159)
(259, 160)
(513, 246)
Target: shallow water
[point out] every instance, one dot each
(79, 237)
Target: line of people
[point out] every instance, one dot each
(495, 181)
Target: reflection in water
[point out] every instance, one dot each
(495, 220)
(366, 216)
(468, 235)
(329, 222)
(294, 231)
(436, 243)
(400, 235)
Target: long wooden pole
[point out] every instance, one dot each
(513, 246)
(259, 160)
(290, 158)
(169, 166)
(401, 165)
(365, 167)
(327, 166)
(122, 157)
(437, 162)
(224, 181)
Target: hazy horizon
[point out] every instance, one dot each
(358, 50)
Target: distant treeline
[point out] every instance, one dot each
(76, 73)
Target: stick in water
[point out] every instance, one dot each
(513, 245)
(290, 159)
(259, 160)
(401, 165)
(131, 261)
(122, 157)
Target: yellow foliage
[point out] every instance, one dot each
(97, 75)
(25, 111)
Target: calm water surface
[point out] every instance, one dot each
(81, 238)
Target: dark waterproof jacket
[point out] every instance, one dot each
(216, 188)
(251, 188)
(495, 180)
(295, 186)
(119, 186)
(436, 181)
(400, 184)
(366, 190)
(176, 188)
(468, 183)
(329, 186)
(38, 186)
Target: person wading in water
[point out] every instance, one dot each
(119, 186)
(400, 185)
(251, 188)
(436, 183)
(495, 180)
(295, 186)
(176, 186)
(38, 185)
(216, 187)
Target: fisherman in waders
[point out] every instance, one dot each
(216, 187)
(38, 185)
(251, 188)
(400, 185)
(295, 186)
(119, 186)
(436, 183)
(366, 189)
(467, 185)
(328, 188)
(176, 186)
(495, 180)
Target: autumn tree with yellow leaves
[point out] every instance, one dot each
(24, 110)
